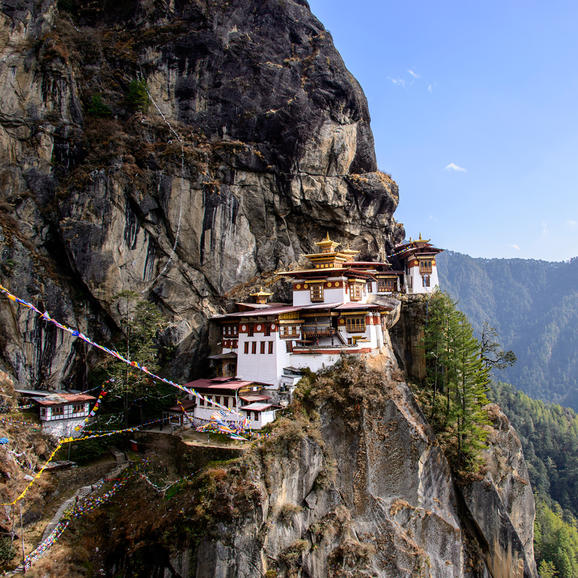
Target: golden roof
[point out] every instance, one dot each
(327, 245)
(261, 293)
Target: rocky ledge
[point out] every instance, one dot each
(351, 483)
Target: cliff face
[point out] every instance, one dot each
(255, 141)
(353, 483)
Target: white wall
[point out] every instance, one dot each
(207, 410)
(264, 417)
(314, 362)
(417, 281)
(330, 295)
(67, 412)
(62, 427)
(263, 367)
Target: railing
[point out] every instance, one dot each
(314, 331)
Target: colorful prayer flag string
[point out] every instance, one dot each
(76, 333)
(79, 509)
(94, 408)
(68, 440)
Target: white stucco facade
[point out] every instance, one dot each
(418, 281)
(62, 427)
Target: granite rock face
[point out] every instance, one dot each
(254, 142)
(503, 499)
(353, 484)
(373, 495)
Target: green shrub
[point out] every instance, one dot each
(97, 107)
(137, 98)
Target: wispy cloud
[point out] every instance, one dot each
(572, 222)
(544, 229)
(517, 247)
(455, 168)
(411, 78)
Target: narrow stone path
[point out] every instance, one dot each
(81, 493)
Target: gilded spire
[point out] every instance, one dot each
(327, 245)
(261, 296)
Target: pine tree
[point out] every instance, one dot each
(131, 387)
(455, 388)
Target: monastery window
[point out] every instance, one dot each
(355, 291)
(386, 285)
(233, 402)
(316, 292)
(289, 346)
(58, 410)
(355, 324)
(289, 331)
(42, 411)
(267, 329)
(426, 280)
(251, 330)
(253, 347)
(425, 267)
(262, 347)
(270, 347)
(78, 407)
(246, 347)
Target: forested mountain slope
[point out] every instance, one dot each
(549, 436)
(534, 307)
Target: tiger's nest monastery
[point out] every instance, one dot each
(340, 306)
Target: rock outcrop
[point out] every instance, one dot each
(179, 150)
(503, 500)
(352, 484)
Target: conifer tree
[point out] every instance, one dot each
(456, 382)
(131, 387)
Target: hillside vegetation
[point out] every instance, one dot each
(534, 307)
(549, 436)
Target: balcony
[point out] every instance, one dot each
(318, 331)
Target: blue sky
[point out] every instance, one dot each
(474, 109)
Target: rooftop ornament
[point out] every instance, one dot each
(261, 296)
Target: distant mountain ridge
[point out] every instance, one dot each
(534, 307)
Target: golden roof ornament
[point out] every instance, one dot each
(261, 296)
(327, 245)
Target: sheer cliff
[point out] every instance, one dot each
(351, 482)
(176, 149)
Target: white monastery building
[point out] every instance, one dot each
(61, 413)
(339, 306)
